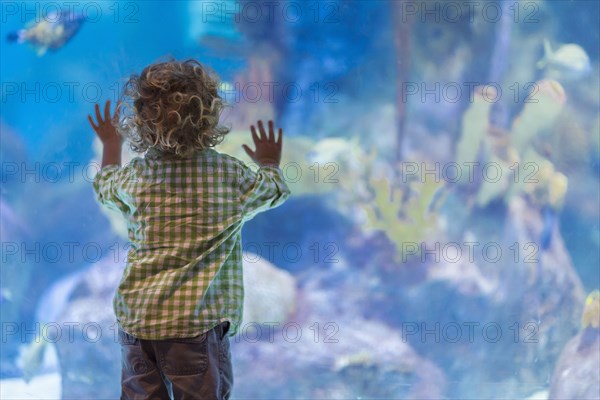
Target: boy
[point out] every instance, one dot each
(181, 293)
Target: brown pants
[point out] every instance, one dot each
(186, 368)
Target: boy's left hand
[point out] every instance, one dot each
(105, 129)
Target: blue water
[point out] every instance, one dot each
(343, 51)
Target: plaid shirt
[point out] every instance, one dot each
(184, 219)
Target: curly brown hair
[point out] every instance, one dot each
(176, 108)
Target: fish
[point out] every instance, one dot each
(569, 61)
(50, 32)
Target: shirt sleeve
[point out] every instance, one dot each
(108, 185)
(262, 190)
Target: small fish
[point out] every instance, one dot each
(569, 61)
(51, 32)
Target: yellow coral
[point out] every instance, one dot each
(402, 212)
(540, 181)
(541, 109)
(523, 169)
(557, 189)
(474, 127)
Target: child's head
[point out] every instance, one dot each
(176, 108)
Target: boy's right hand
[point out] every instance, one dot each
(268, 151)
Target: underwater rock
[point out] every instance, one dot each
(576, 375)
(550, 291)
(337, 353)
(321, 354)
(542, 269)
(466, 277)
(89, 360)
(269, 292)
(481, 320)
(89, 355)
(444, 311)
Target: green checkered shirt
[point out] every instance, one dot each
(184, 219)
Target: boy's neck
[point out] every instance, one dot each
(154, 153)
